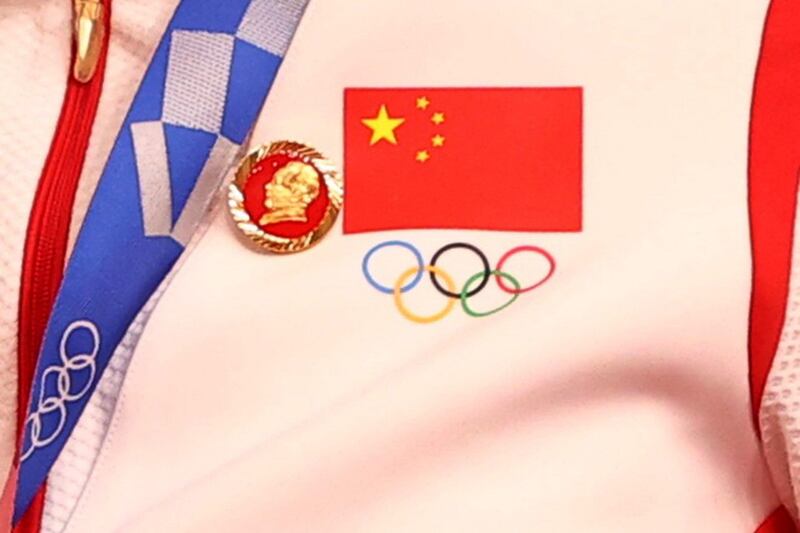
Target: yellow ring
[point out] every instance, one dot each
(398, 295)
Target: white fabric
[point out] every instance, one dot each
(34, 54)
(779, 416)
(284, 394)
(137, 27)
(74, 465)
(613, 400)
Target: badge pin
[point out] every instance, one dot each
(285, 197)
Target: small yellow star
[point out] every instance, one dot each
(437, 118)
(423, 156)
(423, 103)
(437, 141)
(383, 126)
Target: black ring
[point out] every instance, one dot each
(487, 270)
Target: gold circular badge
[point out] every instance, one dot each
(285, 197)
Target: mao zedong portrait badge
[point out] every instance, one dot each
(285, 197)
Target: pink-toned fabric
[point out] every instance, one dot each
(30, 100)
(285, 394)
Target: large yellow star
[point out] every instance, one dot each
(383, 126)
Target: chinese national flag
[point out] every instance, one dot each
(486, 159)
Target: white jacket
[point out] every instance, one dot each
(282, 393)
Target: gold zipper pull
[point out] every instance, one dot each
(89, 32)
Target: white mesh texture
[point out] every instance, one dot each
(137, 27)
(779, 417)
(31, 92)
(74, 465)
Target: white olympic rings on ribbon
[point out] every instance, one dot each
(64, 393)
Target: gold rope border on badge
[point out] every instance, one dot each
(276, 243)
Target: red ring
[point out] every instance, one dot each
(516, 250)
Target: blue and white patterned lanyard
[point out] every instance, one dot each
(194, 108)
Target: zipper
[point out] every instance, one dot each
(48, 227)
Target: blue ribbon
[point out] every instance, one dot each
(196, 104)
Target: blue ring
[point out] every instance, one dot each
(390, 290)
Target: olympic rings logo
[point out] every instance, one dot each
(58, 403)
(411, 277)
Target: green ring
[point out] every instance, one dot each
(478, 276)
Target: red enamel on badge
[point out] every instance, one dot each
(278, 201)
(286, 196)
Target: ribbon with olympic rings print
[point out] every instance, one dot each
(411, 277)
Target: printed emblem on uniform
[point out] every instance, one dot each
(286, 196)
(504, 159)
(497, 159)
(409, 278)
